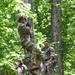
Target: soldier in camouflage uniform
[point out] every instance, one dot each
(48, 59)
(24, 32)
(21, 68)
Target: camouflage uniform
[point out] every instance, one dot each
(48, 57)
(24, 32)
(21, 68)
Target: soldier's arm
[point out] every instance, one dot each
(24, 28)
(52, 52)
(25, 67)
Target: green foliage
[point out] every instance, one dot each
(42, 38)
(42, 24)
(68, 16)
(42, 10)
(10, 46)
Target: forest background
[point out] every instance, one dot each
(10, 44)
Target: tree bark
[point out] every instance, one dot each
(28, 55)
(31, 22)
(56, 32)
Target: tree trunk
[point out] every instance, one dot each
(56, 32)
(28, 55)
(31, 22)
(32, 26)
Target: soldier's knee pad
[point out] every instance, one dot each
(37, 55)
(24, 43)
(39, 58)
(30, 46)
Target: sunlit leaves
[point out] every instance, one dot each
(10, 46)
(43, 16)
(41, 37)
(68, 24)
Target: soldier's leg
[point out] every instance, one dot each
(28, 45)
(36, 54)
(27, 56)
(36, 60)
(36, 57)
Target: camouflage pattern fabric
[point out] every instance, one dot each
(48, 61)
(24, 32)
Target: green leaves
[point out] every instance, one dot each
(42, 24)
(68, 16)
(10, 46)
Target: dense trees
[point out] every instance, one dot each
(9, 40)
(10, 46)
(68, 16)
(56, 32)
